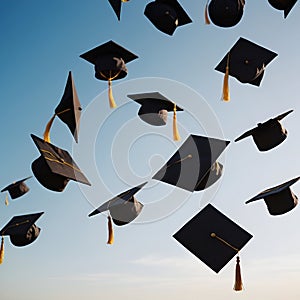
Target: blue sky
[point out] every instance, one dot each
(40, 43)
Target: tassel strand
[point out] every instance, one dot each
(110, 240)
(47, 130)
(238, 285)
(112, 102)
(2, 250)
(176, 135)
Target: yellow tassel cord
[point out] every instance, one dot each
(110, 240)
(238, 285)
(226, 94)
(6, 200)
(112, 103)
(111, 99)
(47, 130)
(2, 250)
(176, 135)
(207, 22)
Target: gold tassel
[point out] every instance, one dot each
(207, 22)
(2, 251)
(47, 130)
(176, 135)
(226, 94)
(238, 285)
(6, 200)
(112, 102)
(110, 240)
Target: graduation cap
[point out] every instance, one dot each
(193, 166)
(116, 5)
(246, 61)
(285, 5)
(21, 230)
(68, 110)
(110, 61)
(55, 167)
(224, 13)
(16, 189)
(269, 134)
(214, 239)
(122, 209)
(166, 15)
(279, 199)
(154, 110)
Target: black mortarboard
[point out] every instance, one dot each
(109, 60)
(166, 15)
(123, 209)
(68, 110)
(193, 167)
(55, 167)
(279, 199)
(21, 230)
(213, 238)
(285, 5)
(154, 109)
(116, 5)
(269, 134)
(17, 189)
(226, 13)
(246, 61)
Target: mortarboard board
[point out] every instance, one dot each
(193, 167)
(122, 209)
(154, 110)
(285, 5)
(279, 199)
(16, 189)
(68, 110)
(21, 230)
(225, 13)
(110, 61)
(246, 61)
(166, 15)
(214, 239)
(269, 134)
(55, 167)
(116, 5)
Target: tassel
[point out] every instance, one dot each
(112, 102)
(47, 130)
(238, 285)
(176, 135)
(2, 251)
(207, 22)
(110, 231)
(226, 95)
(6, 200)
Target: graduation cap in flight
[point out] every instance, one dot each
(16, 189)
(21, 230)
(122, 209)
(269, 134)
(194, 165)
(224, 13)
(116, 5)
(166, 15)
(285, 5)
(279, 199)
(55, 167)
(68, 110)
(246, 61)
(214, 239)
(110, 61)
(154, 110)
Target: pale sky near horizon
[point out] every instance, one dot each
(40, 43)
